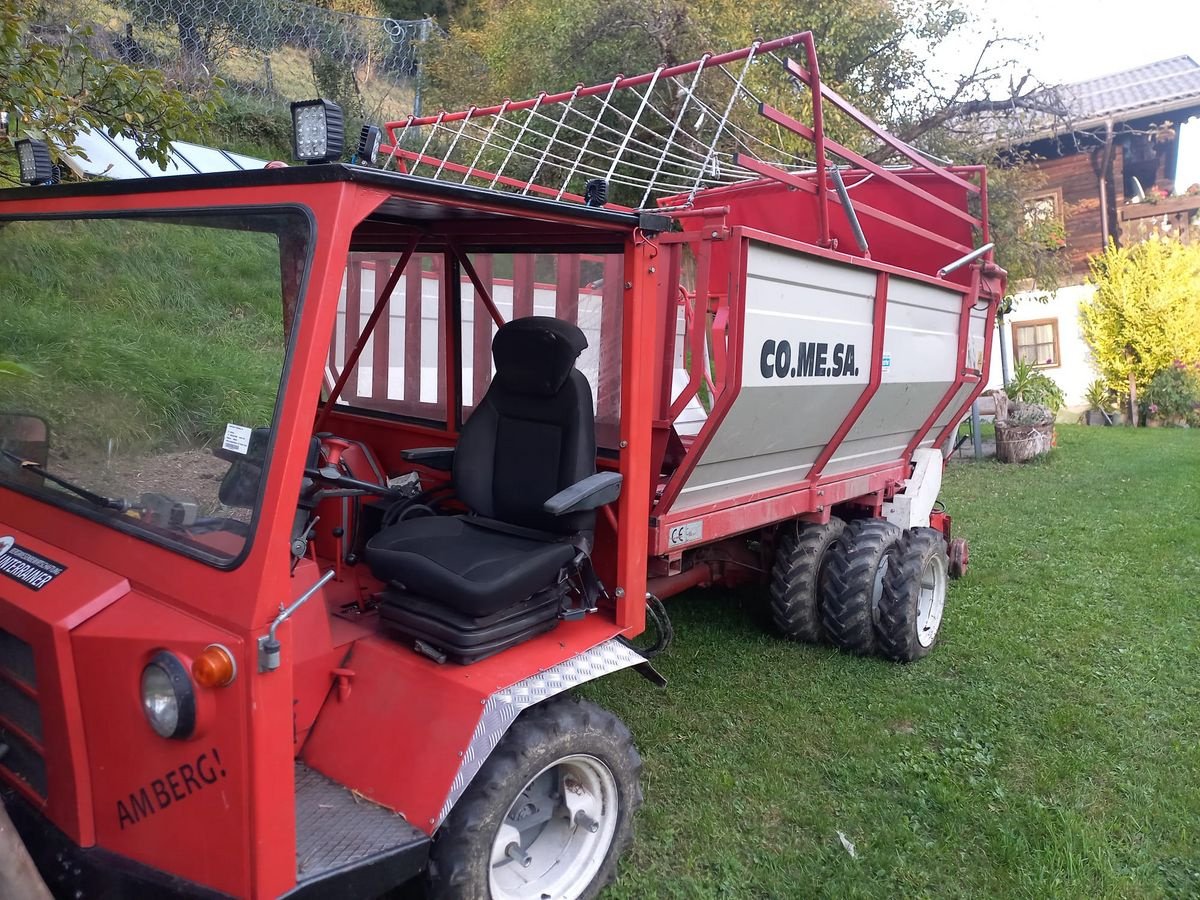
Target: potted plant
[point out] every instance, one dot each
(1025, 414)
(1100, 409)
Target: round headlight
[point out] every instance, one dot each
(167, 697)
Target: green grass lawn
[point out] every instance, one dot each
(1049, 747)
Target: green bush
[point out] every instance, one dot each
(1174, 394)
(254, 127)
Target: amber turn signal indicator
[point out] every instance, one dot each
(214, 667)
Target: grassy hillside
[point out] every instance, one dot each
(150, 334)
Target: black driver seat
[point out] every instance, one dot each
(525, 466)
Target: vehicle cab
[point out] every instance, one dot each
(195, 668)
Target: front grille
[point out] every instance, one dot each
(21, 757)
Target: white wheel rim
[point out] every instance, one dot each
(931, 601)
(557, 833)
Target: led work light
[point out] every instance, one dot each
(34, 157)
(369, 140)
(318, 131)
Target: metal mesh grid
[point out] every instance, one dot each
(668, 133)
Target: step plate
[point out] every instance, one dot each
(335, 829)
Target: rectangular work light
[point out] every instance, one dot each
(318, 131)
(34, 157)
(369, 140)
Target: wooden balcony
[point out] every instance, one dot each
(1177, 217)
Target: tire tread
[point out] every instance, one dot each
(850, 580)
(896, 630)
(796, 590)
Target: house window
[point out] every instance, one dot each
(1036, 342)
(1044, 218)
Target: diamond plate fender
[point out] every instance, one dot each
(503, 707)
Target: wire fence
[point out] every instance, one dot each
(266, 50)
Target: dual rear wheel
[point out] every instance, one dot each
(866, 586)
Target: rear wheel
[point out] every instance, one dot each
(796, 576)
(854, 582)
(548, 815)
(914, 596)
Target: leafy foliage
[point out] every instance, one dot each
(1029, 247)
(1174, 394)
(58, 84)
(11, 369)
(1143, 315)
(1030, 386)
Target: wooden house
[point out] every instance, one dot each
(1108, 170)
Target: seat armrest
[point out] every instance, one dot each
(591, 493)
(440, 458)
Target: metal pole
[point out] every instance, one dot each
(1003, 350)
(976, 437)
(423, 39)
(848, 209)
(962, 261)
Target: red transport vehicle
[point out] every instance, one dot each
(544, 364)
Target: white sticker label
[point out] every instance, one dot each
(887, 361)
(685, 534)
(974, 354)
(237, 439)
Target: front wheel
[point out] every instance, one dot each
(548, 815)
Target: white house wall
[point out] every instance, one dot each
(1074, 372)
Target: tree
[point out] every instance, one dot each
(868, 48)
(58, 84)
(1145, 312)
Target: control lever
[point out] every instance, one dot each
(334, 475)
(300, 543)
(268, 644)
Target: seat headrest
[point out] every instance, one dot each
(534, 355)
